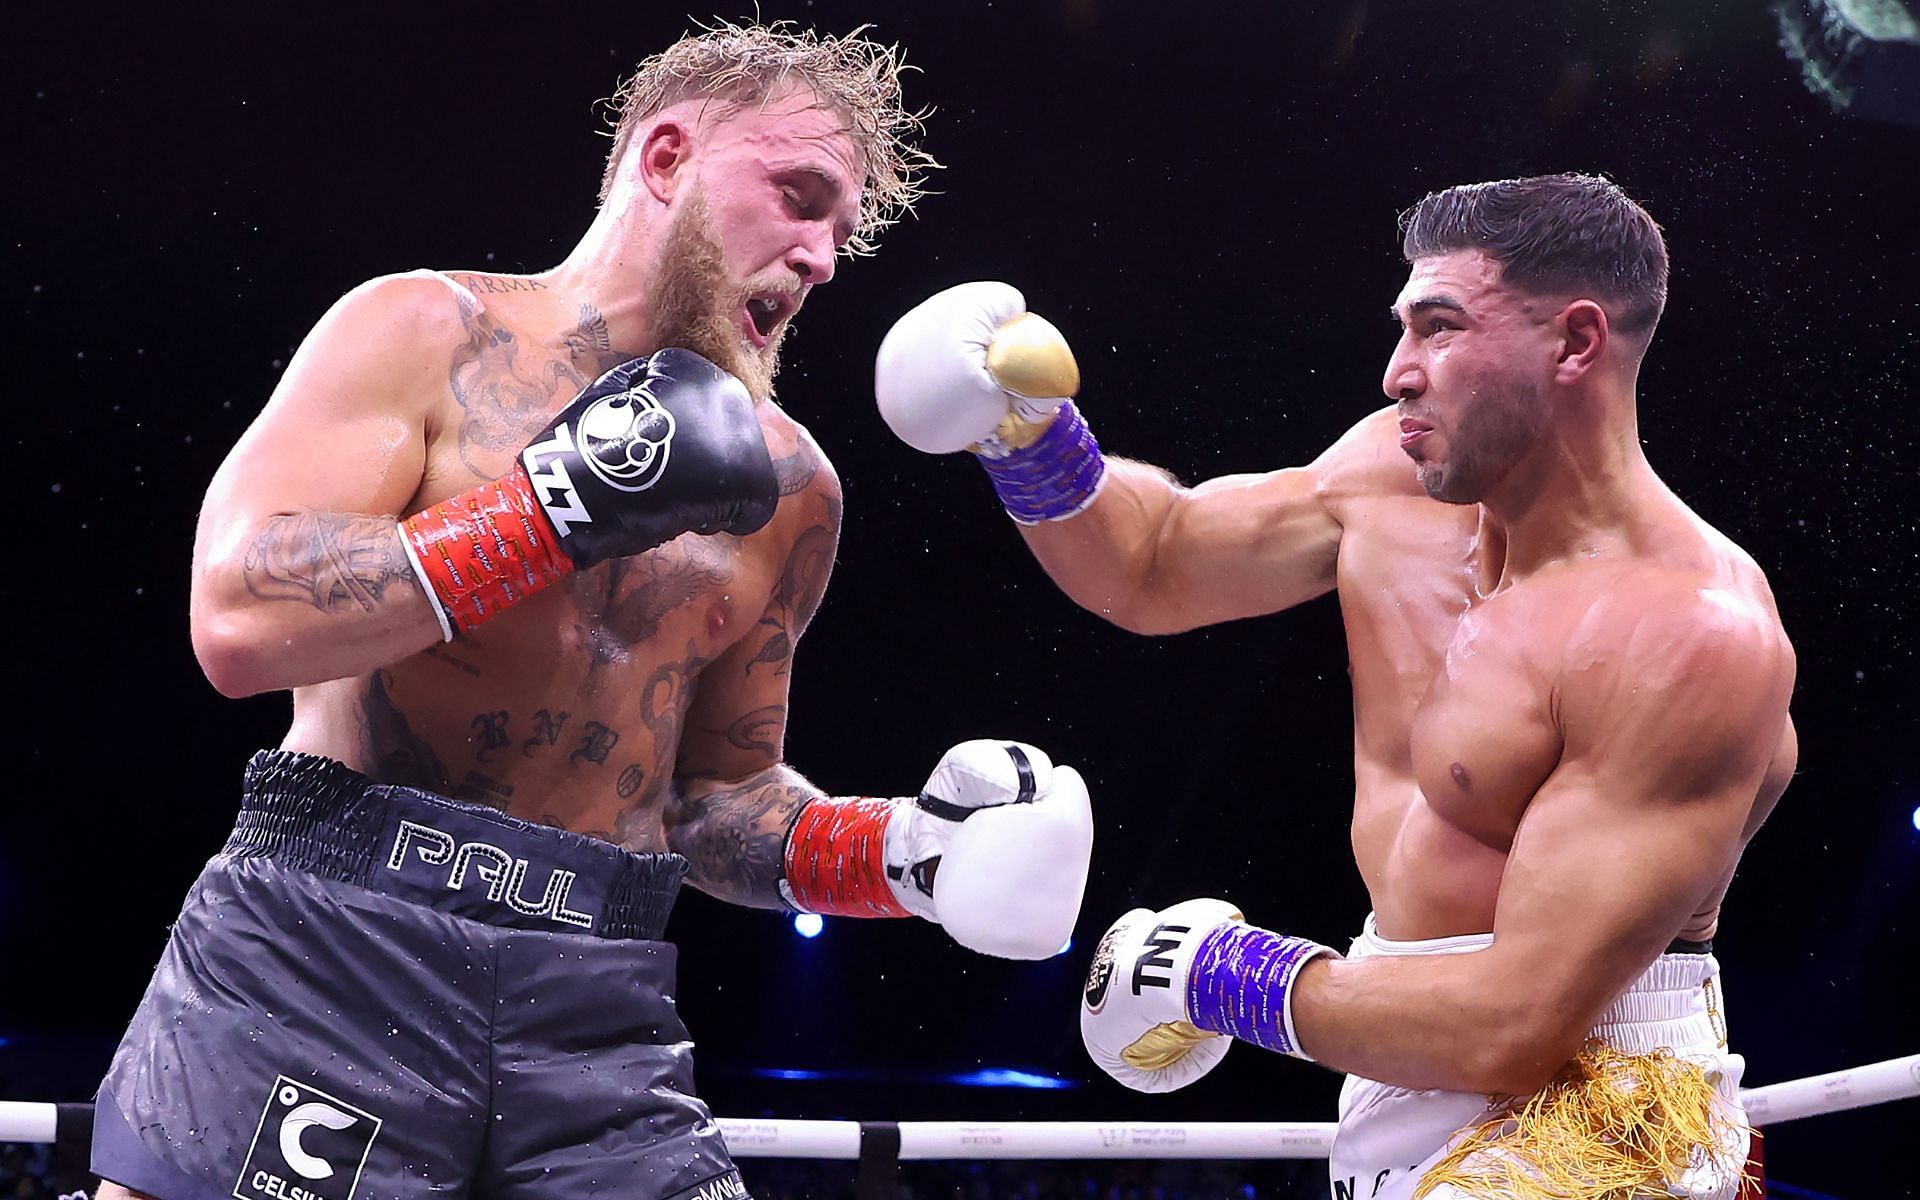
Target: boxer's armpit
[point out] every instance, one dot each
(734, 833)
(334, 563)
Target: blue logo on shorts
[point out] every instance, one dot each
(309, 1146)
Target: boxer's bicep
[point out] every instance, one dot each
(302, 508)
(1667, 746)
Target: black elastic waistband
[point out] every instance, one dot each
(319, 816)
(1683, 946)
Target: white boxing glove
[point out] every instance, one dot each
(971, 368)
(995, 849)
(1168, 990)
(1133, 1013)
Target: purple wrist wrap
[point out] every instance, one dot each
(1241, 984)
(1055, 477)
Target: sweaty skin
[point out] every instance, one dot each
(642, 701)
(1570, 698)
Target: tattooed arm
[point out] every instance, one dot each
(299, 575)
(733, 799)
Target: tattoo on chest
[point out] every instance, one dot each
(394, 754)
(507, 387)
(334, 563)
(624, 604)
(546, 731)
(505, 391)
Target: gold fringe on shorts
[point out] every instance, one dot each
(1609, 1127)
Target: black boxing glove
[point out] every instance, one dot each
(656, 447)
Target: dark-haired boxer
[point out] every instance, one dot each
(533, 554)
(1570, 709)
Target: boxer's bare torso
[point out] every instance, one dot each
(576, 708)
(1457, 676)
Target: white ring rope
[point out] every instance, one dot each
(1816, 1095)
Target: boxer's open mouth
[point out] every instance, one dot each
(766, 311)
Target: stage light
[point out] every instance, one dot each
(808, 925)
(1067, 945)
(1005, 1077)
(1916, 817)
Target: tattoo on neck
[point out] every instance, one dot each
(496, 284)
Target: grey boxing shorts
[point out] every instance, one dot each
(374, 992)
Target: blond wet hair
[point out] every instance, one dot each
(738, 66)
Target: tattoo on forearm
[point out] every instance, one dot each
(335, 563)
(735, 835)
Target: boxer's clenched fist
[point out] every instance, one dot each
(1164, 987)
(994, 848)
(969, 364)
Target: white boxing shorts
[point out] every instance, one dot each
(1390, 1137)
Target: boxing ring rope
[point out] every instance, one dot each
(908, 1141)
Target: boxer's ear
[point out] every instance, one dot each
(1584, 334)
(664, 154)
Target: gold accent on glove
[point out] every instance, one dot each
(1029, 357)
(1164, 1045)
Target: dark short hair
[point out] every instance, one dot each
(1552, 234)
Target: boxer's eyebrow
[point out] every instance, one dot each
(826, 189)
(1424, 305)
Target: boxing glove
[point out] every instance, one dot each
(995, 848)
(657, 447)
(1167, 990)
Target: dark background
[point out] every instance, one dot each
(1203, 198)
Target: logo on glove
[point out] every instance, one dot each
(1100, 974)
(625, 437)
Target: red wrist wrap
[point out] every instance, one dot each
(486, 549)
(836, 859)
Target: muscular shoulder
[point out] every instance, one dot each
(1670, 654)
(423, 311)
(1366, 463)
(381, 347)
(807, 479)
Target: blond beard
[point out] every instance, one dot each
(694, 307)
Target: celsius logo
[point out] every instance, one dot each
(308, 1146)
